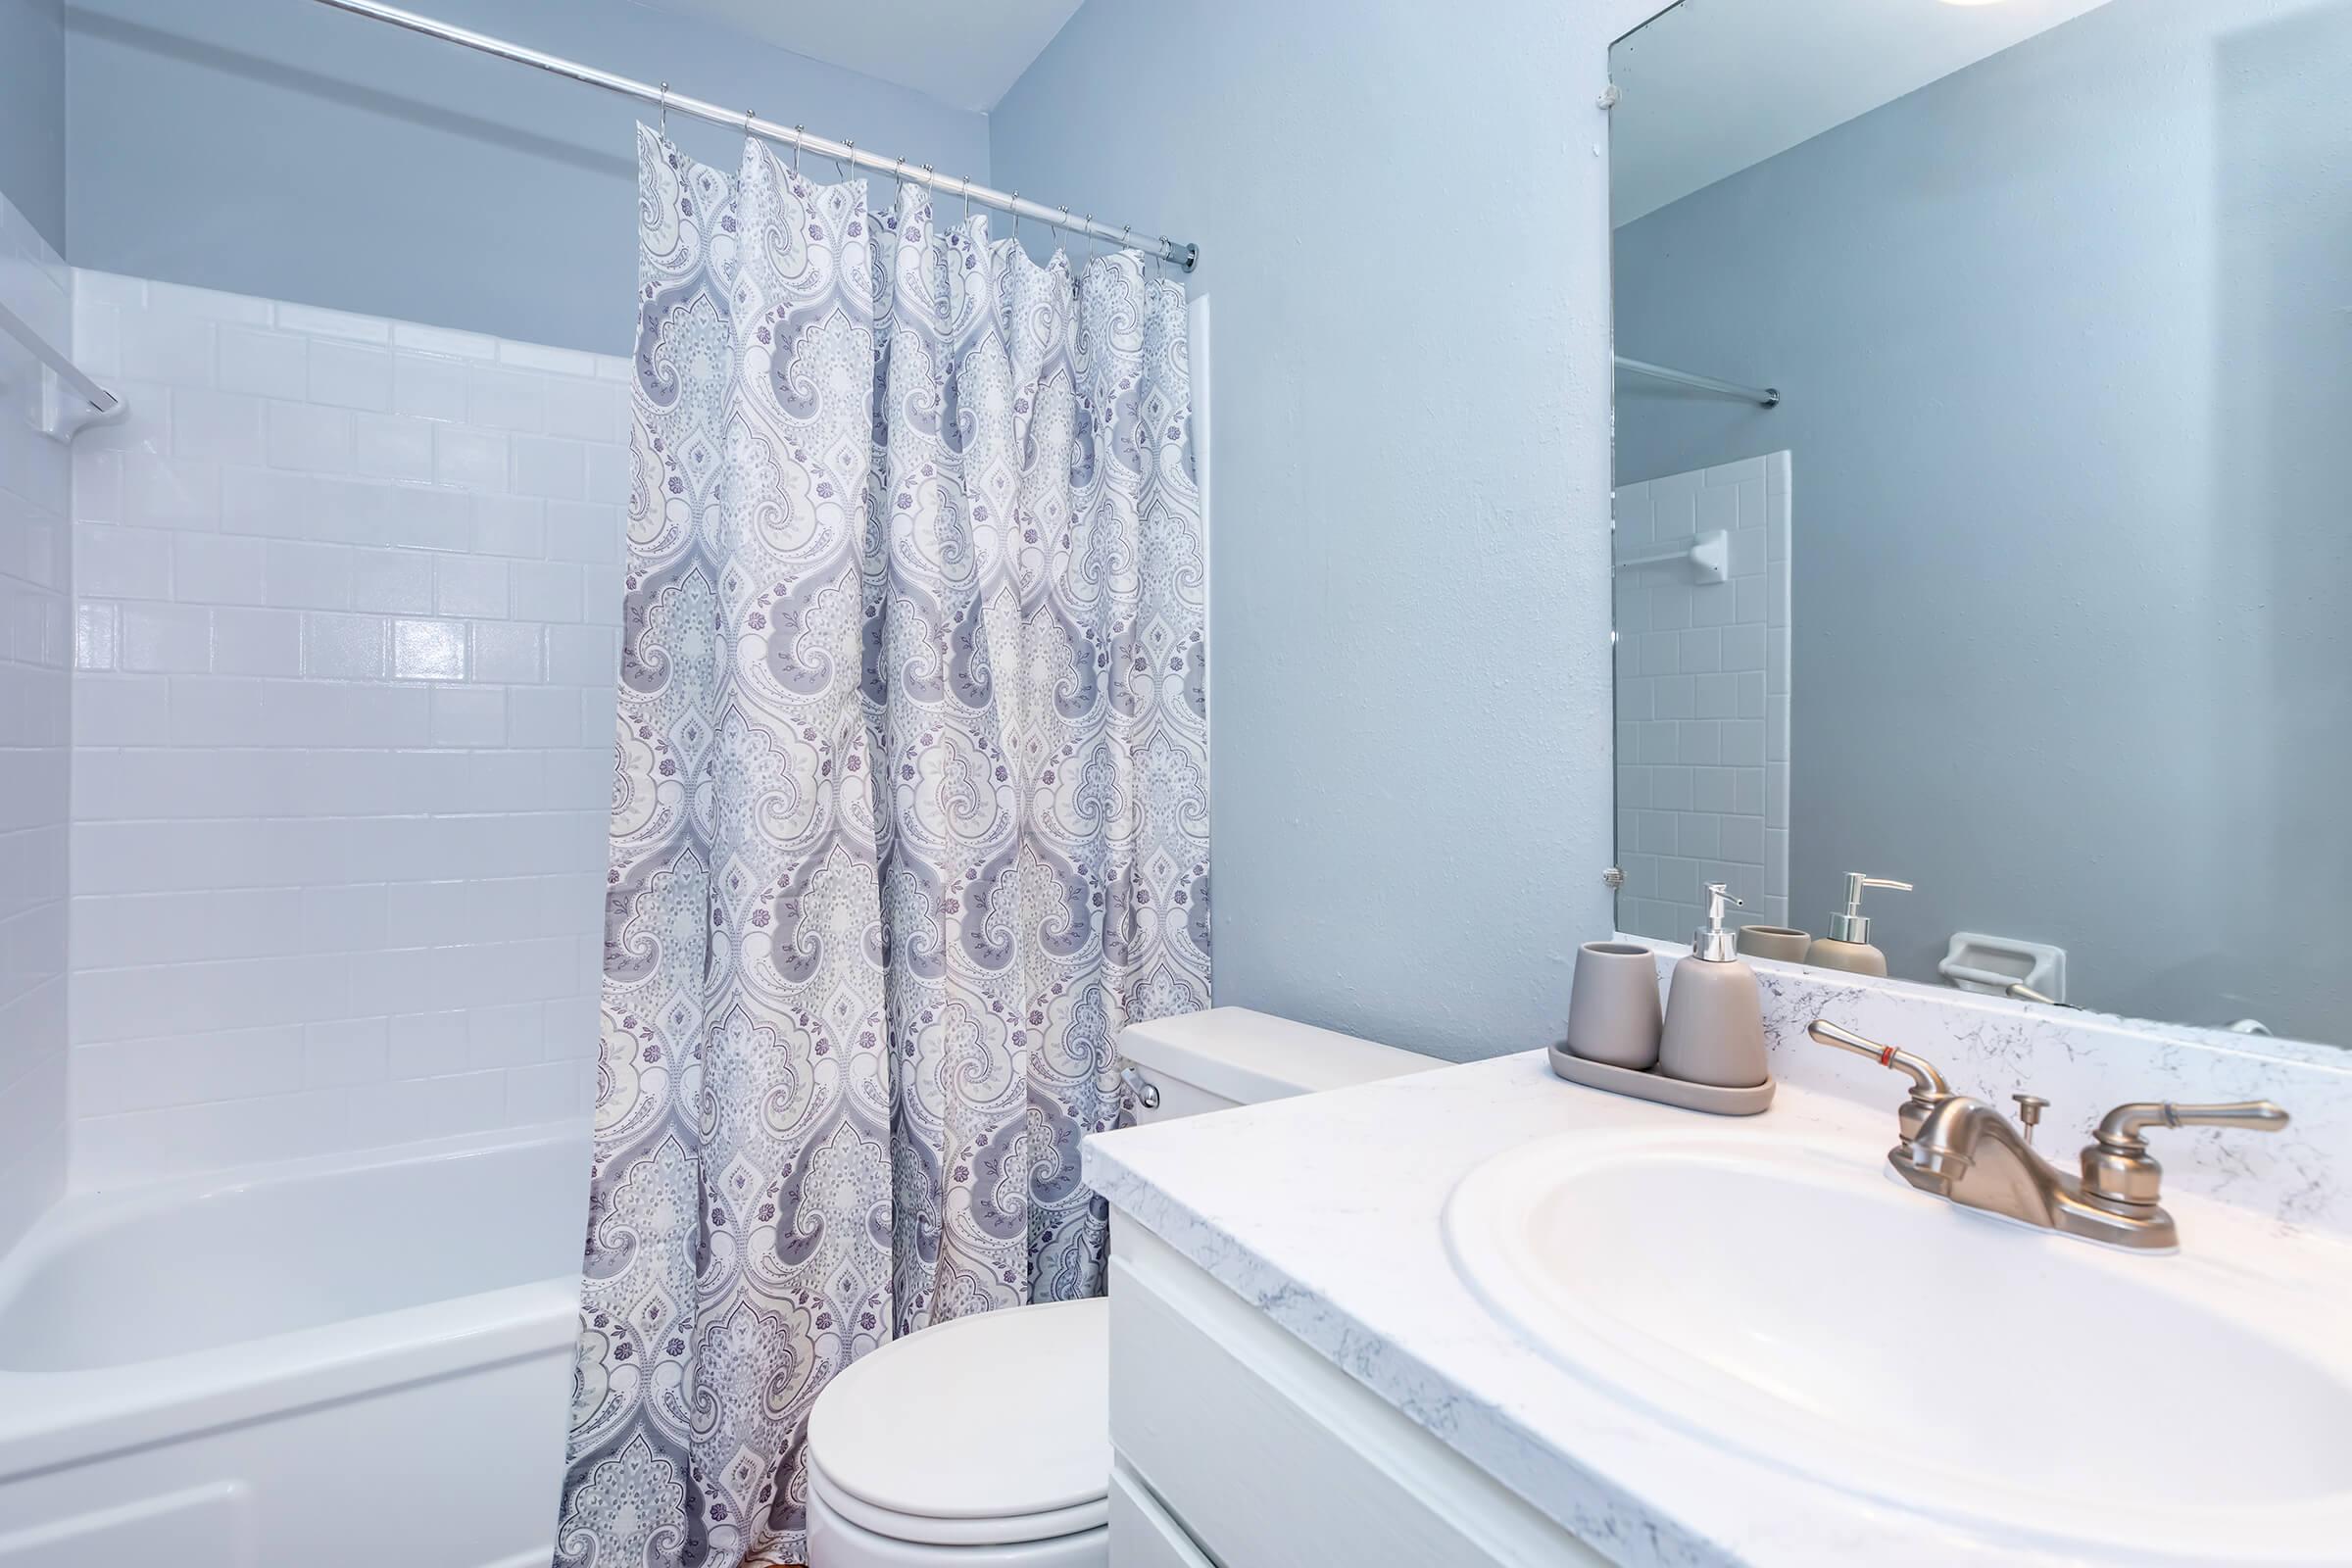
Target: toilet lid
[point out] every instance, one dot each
(1001, 1416)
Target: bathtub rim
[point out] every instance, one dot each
(76, 1213)
(50, 1420)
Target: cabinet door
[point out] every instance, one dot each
(1142, 1534)
(1267, 1456)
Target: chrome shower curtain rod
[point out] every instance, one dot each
(1183, 255)
(1764, 396)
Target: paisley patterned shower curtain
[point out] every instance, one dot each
(909, 816)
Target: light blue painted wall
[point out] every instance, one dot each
(275, 147)
(1402, 213)
(33, 113)
(2067, 365)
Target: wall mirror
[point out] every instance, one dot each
(1983, 491)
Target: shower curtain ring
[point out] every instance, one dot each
(967, 198)
(800, 134)
(849, 161)
(899, 173)
(748, 114)
(666, 111)
(1015, 210)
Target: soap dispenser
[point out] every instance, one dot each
(1714, 1013)
(1848, 946)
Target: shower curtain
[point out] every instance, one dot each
(909, 816)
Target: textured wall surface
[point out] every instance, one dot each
(1702, 700)
(35, 653)
(346, 633)
(32, 113)
(277, 148)
(1402, 213)
(2064, 348)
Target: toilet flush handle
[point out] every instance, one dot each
(1146, 1091)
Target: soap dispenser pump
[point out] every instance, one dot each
(1848, 946)
(1714, 1012)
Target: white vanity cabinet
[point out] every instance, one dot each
(1240, 1447)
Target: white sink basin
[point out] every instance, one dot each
(1785, 1300)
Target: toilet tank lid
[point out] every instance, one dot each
(1246, 1056)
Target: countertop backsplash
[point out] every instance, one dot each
(2083, 1064)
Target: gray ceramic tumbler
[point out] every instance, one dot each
(1613, 1008)
(1784, 943)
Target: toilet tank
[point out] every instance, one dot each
(1202, 1061)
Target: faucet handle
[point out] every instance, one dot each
(2125, 1123)
(1928, 1088)
(2117, 1167)
(1926, 1084)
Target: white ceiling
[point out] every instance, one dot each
(1715, 86)
(966, 54)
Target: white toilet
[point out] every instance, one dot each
(985, 1442)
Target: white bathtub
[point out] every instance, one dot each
(364, 1360)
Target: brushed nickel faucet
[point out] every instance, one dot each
(1968, 1153)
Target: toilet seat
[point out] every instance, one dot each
(836, 1543)
(930, 1531)
(986, 1432)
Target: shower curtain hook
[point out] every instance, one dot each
(1161, 255)
(748, 114)
(849, 161)
(1015, 211)
(1090, 236)
(967, 198)
(900, 174)
(666, 111)
(800, 134)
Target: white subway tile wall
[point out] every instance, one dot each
(35, 670)
(346, 626)
(1702, 701)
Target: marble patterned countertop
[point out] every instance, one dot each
(1326, 1213)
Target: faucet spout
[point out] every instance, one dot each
(1971, 1153)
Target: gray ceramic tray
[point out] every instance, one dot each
(1660, 1088)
